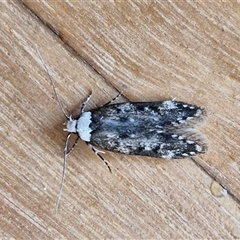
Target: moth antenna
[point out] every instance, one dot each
(63, 171)
(53, 85)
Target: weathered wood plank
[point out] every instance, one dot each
(151, 51)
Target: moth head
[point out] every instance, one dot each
(71, 125)
(80, 126)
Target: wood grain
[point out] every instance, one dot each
(150, 51)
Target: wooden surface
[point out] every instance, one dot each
(150, 51)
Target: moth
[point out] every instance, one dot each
(160, 129)
(155, 129)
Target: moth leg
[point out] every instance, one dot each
(73, 146)
(85, 102)
(112, 100)
(96, 151)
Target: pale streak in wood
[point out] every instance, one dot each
(151, 51)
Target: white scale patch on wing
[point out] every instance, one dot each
(125, 107)
(198, 148)
(169, 105)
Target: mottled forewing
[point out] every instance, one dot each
(155, 129)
